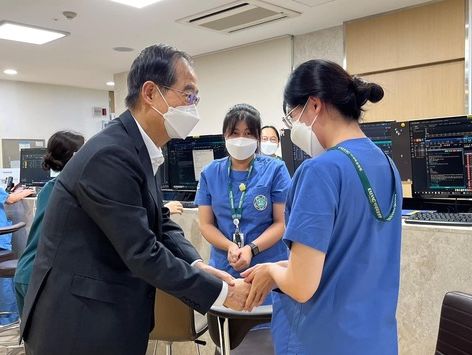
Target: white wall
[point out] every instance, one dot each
(121, 90)
(30, 110)
(253, 74)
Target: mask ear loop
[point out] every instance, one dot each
(163, 98)
(303, 110)
(316, 117)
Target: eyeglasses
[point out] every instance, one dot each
(190, 97)
(287, 119)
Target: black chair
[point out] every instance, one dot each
(8, 263)
(455, 326)
(228, 328)
(7, 254)
(9, 259)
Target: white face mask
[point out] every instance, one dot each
(304, 137)
(179, 121)
(241, 148)
(269, 148)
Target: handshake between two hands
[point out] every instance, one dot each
(247, 292)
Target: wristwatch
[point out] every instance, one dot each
(254, 249)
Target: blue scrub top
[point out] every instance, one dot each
(26, 261)
(269, 182)
(5, 239)
(353, 310)
(7, 297)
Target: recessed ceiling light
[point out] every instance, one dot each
(29, 34)
(110, 83)
(136, 3)
(123, 49)
(10, 72)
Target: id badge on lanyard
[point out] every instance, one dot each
(236, 213)
(238, 236)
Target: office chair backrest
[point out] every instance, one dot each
(17, 213)
(174, 320)
(455, 326)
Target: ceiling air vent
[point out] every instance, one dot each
(238, 16)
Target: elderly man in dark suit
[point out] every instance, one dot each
(106, 241)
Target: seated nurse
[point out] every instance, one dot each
(241, 198)
(340, 282)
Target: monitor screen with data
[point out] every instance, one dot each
(31, 170)
(381, 134)
(187, 157)
(441, 156)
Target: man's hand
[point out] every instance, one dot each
(175, 207)
(261, 284)
(245, 257)
(222, 275)
(237, 295)
(233, 253)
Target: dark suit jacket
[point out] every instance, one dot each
(106, 244)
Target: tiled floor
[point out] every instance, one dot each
(9, 342)
(255, 343)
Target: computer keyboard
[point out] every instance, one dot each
(185, 204)
(188, 204)
(437, 218)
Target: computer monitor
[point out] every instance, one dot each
(441, 157)
(187, 158)
(292, 155)
(163, 170)
(381, 134)
(393, 138)
(31, 171)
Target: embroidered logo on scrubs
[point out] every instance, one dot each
(260, 202)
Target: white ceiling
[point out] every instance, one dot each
(86, 59)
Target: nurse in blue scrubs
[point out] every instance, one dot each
(7, 297)
(340, 282)
(241, 198)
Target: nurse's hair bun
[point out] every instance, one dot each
(49, 163)
(329, 82)
(366, 91)
(61, 147)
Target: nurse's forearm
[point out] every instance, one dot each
(270, 236)
(283, 263)
(288, 284)
(301, 276)
(279, 275)
(214, 236)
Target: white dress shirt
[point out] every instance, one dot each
(157, 158)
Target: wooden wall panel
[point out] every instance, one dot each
(415, 36)
(423, 92)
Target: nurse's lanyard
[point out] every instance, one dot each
(369, 192)
(236, 213)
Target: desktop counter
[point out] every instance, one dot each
(435, 260)
(22, 211)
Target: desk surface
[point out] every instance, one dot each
(258, 312)
(436, 228)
